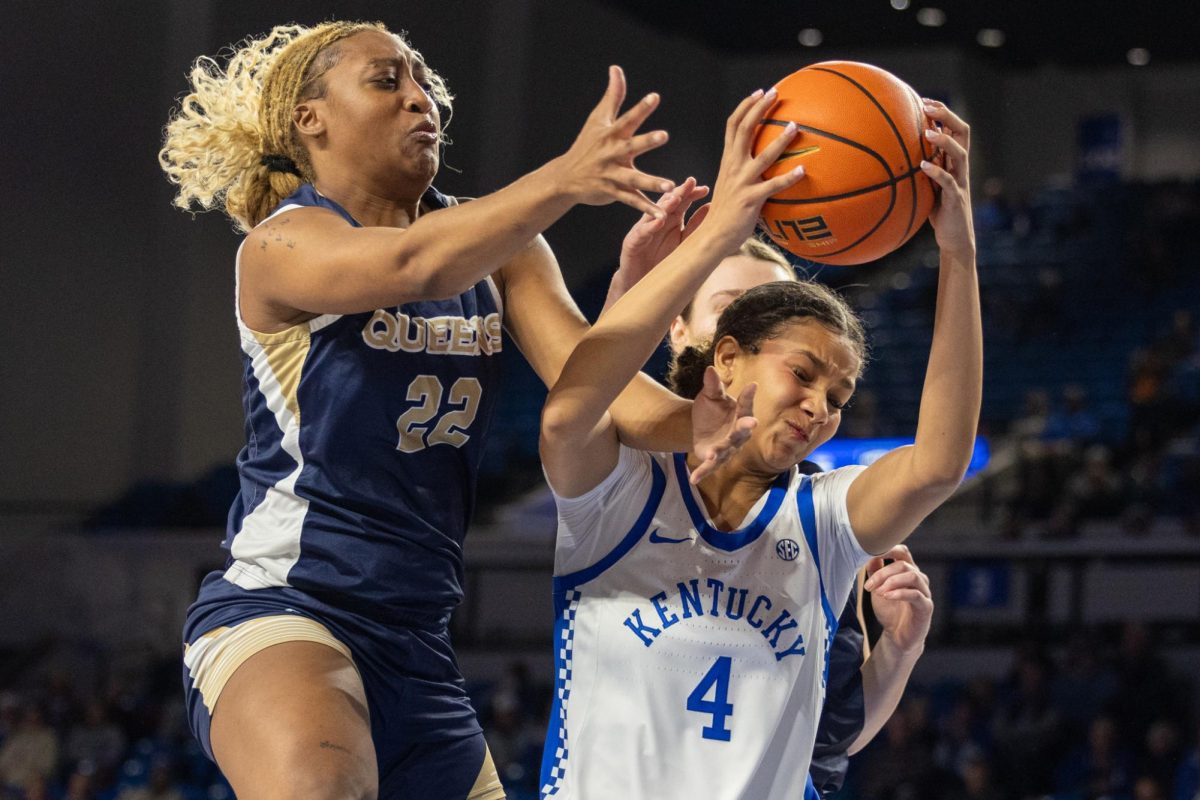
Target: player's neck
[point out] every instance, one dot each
(731, 491)
(372, 206)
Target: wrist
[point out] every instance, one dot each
(553, 183)
(961, 256)
(709, 239)
(907, 652)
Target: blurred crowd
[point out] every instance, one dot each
(1102, 717)
(1070, 470)
(1088, 723)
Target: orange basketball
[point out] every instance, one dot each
(861, 141)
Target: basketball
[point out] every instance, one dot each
(861, 141)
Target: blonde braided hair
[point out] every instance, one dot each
(215, 141)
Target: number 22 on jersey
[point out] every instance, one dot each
(461, 407)
(716, 681)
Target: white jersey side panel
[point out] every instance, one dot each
(691, 661)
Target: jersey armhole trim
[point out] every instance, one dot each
(658, 486)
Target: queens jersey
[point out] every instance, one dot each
(691, 662)
(364, 434)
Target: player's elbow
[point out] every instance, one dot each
(558, 423)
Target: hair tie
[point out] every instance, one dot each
(280, 163)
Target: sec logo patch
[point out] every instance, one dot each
(787, 549)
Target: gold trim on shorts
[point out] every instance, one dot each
(487, 785)
(214, 657)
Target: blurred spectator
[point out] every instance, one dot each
(159, 786)
(30, 753)
(1084, 685)
(1146, 688)
(901, 766)
(1160, 752)
(1028, 727)
(1187, 777)
(977, 782)
(82, 783)
(1096, 491)
(1147, 788)
(1103, 767)
(961, 740)
(1074, 420)
(992, 212)
(1035, 416)
(95, 739)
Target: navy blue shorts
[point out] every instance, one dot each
(428, 742)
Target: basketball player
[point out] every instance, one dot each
(696, 614)
(862, 693)
(370, 307)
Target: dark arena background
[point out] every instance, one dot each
(1065, 651)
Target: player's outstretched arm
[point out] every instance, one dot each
(893, 495)
(903, 604)
(579, 441)
(311, 260)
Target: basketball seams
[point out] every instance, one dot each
(826, 197)
(912, 212)
(842, 139)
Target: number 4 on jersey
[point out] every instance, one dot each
(717, 679)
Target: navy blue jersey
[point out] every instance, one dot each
(364, 434)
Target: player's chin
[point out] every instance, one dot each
(783, 456)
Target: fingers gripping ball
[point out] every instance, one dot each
(861, 144)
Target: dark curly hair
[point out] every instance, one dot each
(760, 314)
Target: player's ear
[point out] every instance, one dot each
(725, 356)
(678, 335)
(307, 118)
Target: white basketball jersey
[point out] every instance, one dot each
(691, 662)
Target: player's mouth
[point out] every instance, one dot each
(424, 132)
(797, 431)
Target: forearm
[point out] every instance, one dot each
(884, 675)
(950, 400)
(610, 355)
(459, 246)
(648, 416)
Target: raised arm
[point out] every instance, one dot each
(546, 325)
(579, 441)
(893, 495)
(903, 604)
(312, 261)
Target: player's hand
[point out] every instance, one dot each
(598, 168)
(740, 191)
(901, 598)
(949, 170)
(652, 239)
(720, 424)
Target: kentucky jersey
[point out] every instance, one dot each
(691, 662)
(364, 434)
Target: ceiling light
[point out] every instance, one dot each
(990, 37)
(899, 5)
(810, 37)
(1138, 56)
(931, 17)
